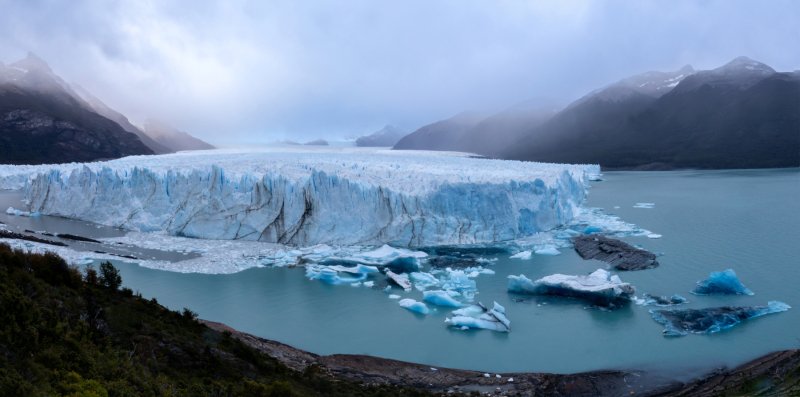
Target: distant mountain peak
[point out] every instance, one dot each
(32, 62)
(746, 65)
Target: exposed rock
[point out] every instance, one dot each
(621, 255)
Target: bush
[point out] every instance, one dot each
(109, 275)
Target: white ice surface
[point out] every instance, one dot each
(305, 196)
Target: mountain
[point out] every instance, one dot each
(441, 135)
(740, 115)
(492, 135)
(387, 136)
(104, 110)
(43, 120)
(172, 139)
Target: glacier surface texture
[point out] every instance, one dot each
(300, 196)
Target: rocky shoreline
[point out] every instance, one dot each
(774, 374)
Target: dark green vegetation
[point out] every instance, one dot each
(72, 334)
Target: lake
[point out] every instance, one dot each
(710, 220)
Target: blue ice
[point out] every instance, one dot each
(721, 283)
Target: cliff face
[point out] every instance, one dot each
(43, 121)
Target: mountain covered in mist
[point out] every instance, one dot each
(172, 139)
(43, 119)
(743, 114)
(387, 136)
(441, 135)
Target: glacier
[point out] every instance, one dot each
(305, 196)
(711, 320)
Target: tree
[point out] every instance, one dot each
(109, 275)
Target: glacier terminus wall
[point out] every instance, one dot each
(304, 196)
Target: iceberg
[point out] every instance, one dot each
(440, 298)
(655, 300)
(522, 255)
(337, 274)
(721, 283)
(547, 250)
(423, 281)
(619, 254)
(644, 205)
(307, 196)
(478, 316)
(600, 287)
(711, 320)
(16, 212)
(414, 306)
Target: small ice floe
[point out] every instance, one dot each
(440, 298)
(600, 287)
(400, 279)
(486, 375)
(337, 274)
(547, 250)
(478, 316)
(423, 280)
(522, 255)
(414, 306)
(369, 284)
(644, 205)
(711, 320)
(653, 235)
(394, 296)
(721, 283)
(16, 212)
(655, 300)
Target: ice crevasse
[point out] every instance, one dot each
(311, 197)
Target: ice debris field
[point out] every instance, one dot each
(425, 223)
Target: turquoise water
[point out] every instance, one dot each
(710, 220)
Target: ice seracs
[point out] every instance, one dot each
(600, 287)
(305, 196)
(721, 283)
(711, 320)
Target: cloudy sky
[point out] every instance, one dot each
(237, 72)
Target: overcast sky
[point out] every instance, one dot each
(235, 72)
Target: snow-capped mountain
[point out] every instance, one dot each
(43, 120)
(740, 115)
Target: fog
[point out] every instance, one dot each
(240, 72)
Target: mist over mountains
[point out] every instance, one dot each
(43, 119)
(743, 114)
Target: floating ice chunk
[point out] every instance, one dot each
(458, 281)
(423, 281)
(394, 296)
(594, 177)
(440, 298)
(644, 205)
(711, 320)
(654, 300)
(619, 254)
(369, 284)
(522, 255)
(721, 283)
(337, 274)
(592, 230)
(478, 316)
(547, 250)
(414, 306)
(400, 279)
(16, 212)
(653, 235)
(600, 287)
